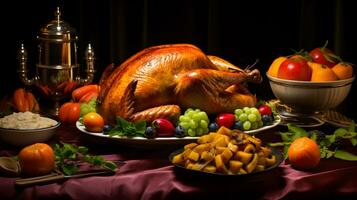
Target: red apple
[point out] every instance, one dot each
(225, 119)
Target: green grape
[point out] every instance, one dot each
(246, 125)
(238, 112)
(255, 111)
(194, 122)
(252, 117)
(188, 110)
(246, 110)
(203, 116)
(243, 117)
(259, 117)
(184, 118)
(86, 108)
(184, 125)
(254, 125)
(260, 123)
(199, 131)
(191, 132)
(196, 117)
(203, 124)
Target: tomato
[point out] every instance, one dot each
(304, 153)
(37, 159)
(163, 127)
(69, 113)
(226, 119)
(295, 68)
(323, 56)
(93, 122)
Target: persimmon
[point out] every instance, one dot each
(321, 73)
(343, 70)
(93, 122)
(37, 159)
(274, 67)
(304, 153)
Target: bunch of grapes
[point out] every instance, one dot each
(194, 122)
(88, 107)
(248, 119)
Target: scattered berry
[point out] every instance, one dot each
(106, 128)
(267, 119)
(150, 132)
(238, 125)
(213, 127)
(179, 132)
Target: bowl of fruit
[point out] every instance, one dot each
(318, 81)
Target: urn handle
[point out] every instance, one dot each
(89, 56)
(22, 57)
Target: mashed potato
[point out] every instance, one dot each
(26, 120)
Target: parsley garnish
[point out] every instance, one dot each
(126, 128)
(69, 156)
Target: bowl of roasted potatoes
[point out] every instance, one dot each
(227, 152)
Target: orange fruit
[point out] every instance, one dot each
(37, 159)
(304, 153)
(274, 67)
(93, 122)
(321, 73)
(343, 70)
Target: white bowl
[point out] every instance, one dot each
(310, 97)
(24, 137)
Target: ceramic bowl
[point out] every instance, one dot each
(310, 97)
(24, 137)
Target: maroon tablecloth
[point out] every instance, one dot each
(147, 174)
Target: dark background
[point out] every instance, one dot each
(239, 31)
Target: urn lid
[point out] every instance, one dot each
(58, 30)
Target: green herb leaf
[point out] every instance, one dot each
(125, 128)
(285, 137)
(353, 141)
(340, 132)
(110, 165)
(68, 157)
(298, 132)
(344, 155)
(140, 127)
(286, 149)
(69, 169)
(329, 154)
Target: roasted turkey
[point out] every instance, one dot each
(159, 81)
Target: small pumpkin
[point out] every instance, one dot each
(25, 101)
(37, 159)
(69, 113)
(304, 153)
